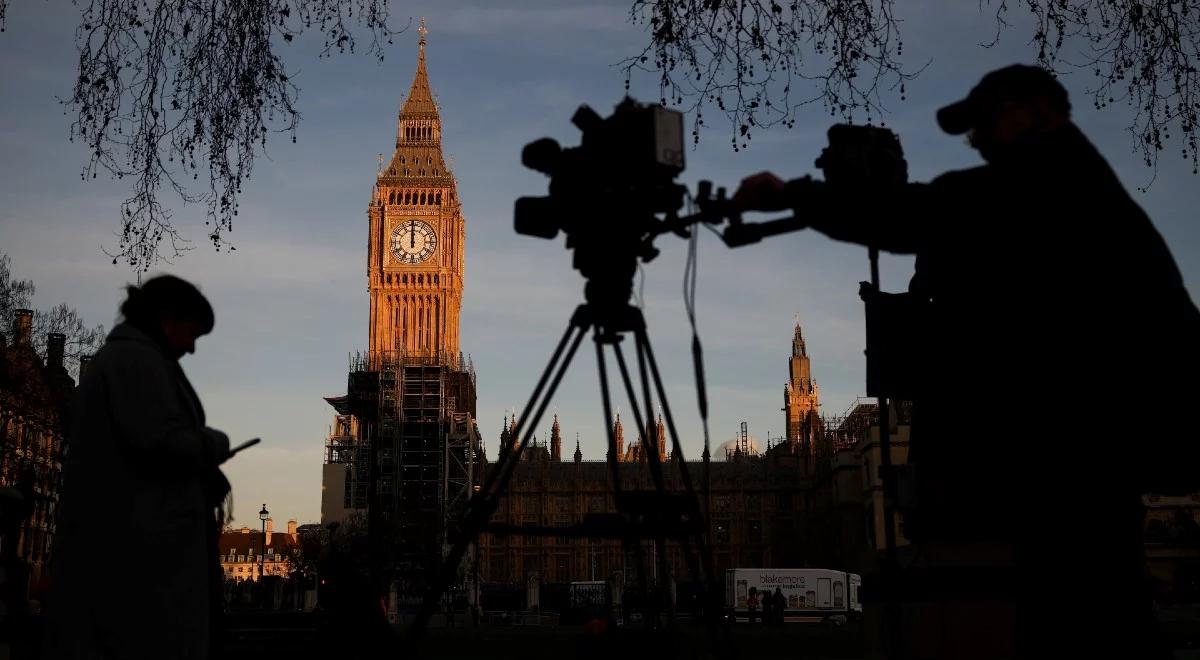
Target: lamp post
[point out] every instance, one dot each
(262, 546)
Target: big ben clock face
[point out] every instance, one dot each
(413, 242)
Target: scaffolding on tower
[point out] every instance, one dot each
(415, 414)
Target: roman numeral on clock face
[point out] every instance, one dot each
(413, 241)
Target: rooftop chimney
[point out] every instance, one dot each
(292, 529)
(22, 327)
(56, 343)
(85, 361)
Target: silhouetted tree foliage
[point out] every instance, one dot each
(18, 294)
(183, 93)
(759, 61)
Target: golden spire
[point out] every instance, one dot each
(420, 104)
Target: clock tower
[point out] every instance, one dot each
(415, 249)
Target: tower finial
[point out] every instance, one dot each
(422, 31)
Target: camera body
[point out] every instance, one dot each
(863, 157)
(606, 194)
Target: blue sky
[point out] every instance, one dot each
(291, 302)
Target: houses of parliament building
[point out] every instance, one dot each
(405, 452)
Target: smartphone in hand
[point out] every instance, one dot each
(249, 443)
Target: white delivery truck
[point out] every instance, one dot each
(810, 593)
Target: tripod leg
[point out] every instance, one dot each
(628, 545)
(643, 426)
(481, 507)
(643, 339)
(606, 399)
(490, 480)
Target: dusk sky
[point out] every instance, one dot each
(291, 301)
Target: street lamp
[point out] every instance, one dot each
(262, 546)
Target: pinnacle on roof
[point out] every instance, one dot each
(420, 101)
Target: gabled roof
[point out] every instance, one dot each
(242, 543)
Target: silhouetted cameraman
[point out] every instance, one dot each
(1055, 323)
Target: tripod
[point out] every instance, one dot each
(637, 517)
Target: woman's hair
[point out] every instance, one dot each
(166, 297)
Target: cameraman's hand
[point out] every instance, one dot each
(761, 192)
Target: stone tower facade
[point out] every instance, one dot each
(404, 449)
(801, 397)
(417, 235)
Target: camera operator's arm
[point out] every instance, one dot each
(893, 220)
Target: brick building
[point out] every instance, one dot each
(243, 552)
(799, 503)
(33, 404)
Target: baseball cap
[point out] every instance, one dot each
(1019, 82)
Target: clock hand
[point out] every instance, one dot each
(412, 233)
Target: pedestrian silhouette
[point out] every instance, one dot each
(1051, 314)
(141, 491)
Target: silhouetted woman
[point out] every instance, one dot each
(135, 561)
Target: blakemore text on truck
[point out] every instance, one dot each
(809, 592)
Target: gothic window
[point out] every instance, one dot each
(439, 195)
(405, 279)
(422, 194)
(435, 279)
(407, 197)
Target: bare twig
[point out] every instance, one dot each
(749, 56)
(170, 92)
(1141, 53)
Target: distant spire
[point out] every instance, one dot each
(660, 433)
(798, 349)
(505, 436)
(619, 436)
(419, 123)
(578, 453)
(555, 440)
